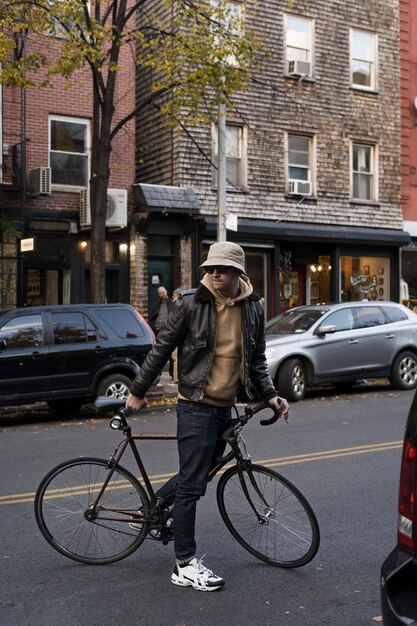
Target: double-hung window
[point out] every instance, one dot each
(236, 140)
(363, 60)
(69, 145)
(364, 169)
(300, 164)
(299, 39)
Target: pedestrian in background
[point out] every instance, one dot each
(161, 310)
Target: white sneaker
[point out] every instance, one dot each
(196, 575)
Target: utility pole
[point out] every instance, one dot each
(221, 175)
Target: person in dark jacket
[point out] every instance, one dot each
(161, 310)
(219, 332)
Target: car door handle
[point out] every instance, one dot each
(389, 336)
(36, 355)
(99, 349)
(352, 341)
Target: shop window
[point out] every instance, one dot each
(319, 275)
(363, 55)
(68, 151)
(409, 278)
(365, 278)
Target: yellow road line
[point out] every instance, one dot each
(275, 462)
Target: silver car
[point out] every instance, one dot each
(340, 344)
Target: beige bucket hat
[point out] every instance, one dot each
(225, 253)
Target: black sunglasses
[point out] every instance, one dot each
(222, 269)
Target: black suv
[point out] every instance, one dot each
(68, 355)
(399, 571)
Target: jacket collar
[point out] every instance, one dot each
(202, 294)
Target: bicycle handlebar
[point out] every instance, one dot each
(229, 434)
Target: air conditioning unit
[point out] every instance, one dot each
(299, 187)
(40, 182)
(299, 68)
(116, 214)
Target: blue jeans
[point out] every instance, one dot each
(199, 431)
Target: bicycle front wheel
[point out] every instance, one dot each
(274, 521)
(81, 529)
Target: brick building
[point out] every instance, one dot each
(313, 158)
(46, 137)
(408, 41)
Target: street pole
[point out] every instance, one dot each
(221, 175)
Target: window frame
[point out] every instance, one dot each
(374, 62)
(309, 51)
(242, 159)
(312, 152)
(86, 154)
(373, 173)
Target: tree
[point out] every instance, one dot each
(194, 53)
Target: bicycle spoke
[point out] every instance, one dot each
(283, 531)
(66, 515)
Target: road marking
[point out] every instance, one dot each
(157, 479)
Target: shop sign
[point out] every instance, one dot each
(364, 283)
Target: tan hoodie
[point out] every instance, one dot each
(224, 377)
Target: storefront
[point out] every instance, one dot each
(310, 264)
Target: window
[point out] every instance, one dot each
(73, 328)
(299, 164)
(24, 331)
(124, 323)
(236, 139)
(363, 172)
(68, 151)
(367, 317)
(342, 320)
(298, 45)
(363, 55)
(1, 133)
(395, 315)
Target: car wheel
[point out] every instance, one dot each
(292, 380)
(404, 371)
(114, 386)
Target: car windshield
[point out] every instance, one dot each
(293, 321)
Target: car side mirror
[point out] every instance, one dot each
(3, 344)
(325, 330)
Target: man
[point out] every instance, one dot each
(219, 331)
(161, 310)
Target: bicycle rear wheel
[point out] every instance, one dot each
(283, 531)
(67, 519)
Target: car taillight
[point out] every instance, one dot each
(407, 498)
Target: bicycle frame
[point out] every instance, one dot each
(238, 452)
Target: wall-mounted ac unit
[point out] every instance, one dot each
(116, 212)
(299, 68)
(40, 182)
(299, 187)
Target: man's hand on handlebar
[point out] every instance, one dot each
(133, 403)
(281, 406)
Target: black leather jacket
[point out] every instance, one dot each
(191, 325)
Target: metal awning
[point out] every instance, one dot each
(165, 199)
(302, 232)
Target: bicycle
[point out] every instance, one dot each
(84, 507)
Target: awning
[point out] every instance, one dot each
(165, 199)
(314, 233)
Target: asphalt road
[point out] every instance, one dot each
(343, 452)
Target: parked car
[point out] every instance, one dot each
(399, 571)
(70, 354)
(340, 344)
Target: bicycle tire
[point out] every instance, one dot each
(63, 498)
(289, 534)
